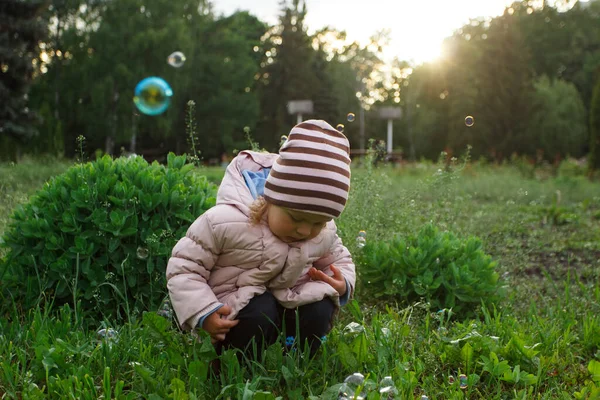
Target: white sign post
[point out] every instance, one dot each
(300, 107)
(390, 113)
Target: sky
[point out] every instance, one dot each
(417, 27)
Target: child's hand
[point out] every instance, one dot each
(217, 326)
(336, 281)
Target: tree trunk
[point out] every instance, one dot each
(57, 68)
(133, 140)
(109, 145)
(110, 139)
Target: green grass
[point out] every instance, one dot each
(542, 341)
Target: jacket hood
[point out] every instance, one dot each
(233, 189)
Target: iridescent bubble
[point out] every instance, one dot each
(462, 378)
(423, 397)
(176, 59)
(351, 117)
(387, 388)
(152, 95)
(107, 333)
(165, 309)
(469, 120)
(360, 242)
(451, 379)
(340, 127)
(362, 234)
(142, 253)
(351, 385)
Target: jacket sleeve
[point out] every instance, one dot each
(188, 271)
(339, 256)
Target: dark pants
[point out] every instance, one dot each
(263, 319)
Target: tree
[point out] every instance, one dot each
(224, 83)
(356, 74)
(20, 31)
(558, 123)
(595, 127)
(563, 45)
(426, 109)
(121, 42)
(325, 101)
(489, 77)
(287, 74)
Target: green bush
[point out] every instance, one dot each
(101, 234)
(437, 266)
(571, 168)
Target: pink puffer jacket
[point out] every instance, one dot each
(225, 259)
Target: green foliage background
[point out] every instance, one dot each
(526, 76)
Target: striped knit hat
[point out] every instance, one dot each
(312, 173)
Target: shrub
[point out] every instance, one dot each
(571, 168)
(101, 233)
(437, 266)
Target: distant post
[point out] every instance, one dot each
(390, 113)
(299, 108)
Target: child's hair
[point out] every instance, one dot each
(258, 208)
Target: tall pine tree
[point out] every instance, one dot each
(288, 74)
(20, 32)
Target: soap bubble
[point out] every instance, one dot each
(165, 309)
(176, 59)
(351, 117)
(152, 95)
(107, 333)
(424, 397)
(387, 389)
(142, 253)
(451, 379)
(360, 242)
(351, 385)
(361, 239)
(340, 127)
(463, 381)
(469, 120)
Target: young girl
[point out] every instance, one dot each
(269, 248)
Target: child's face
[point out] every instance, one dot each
(292, 226)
